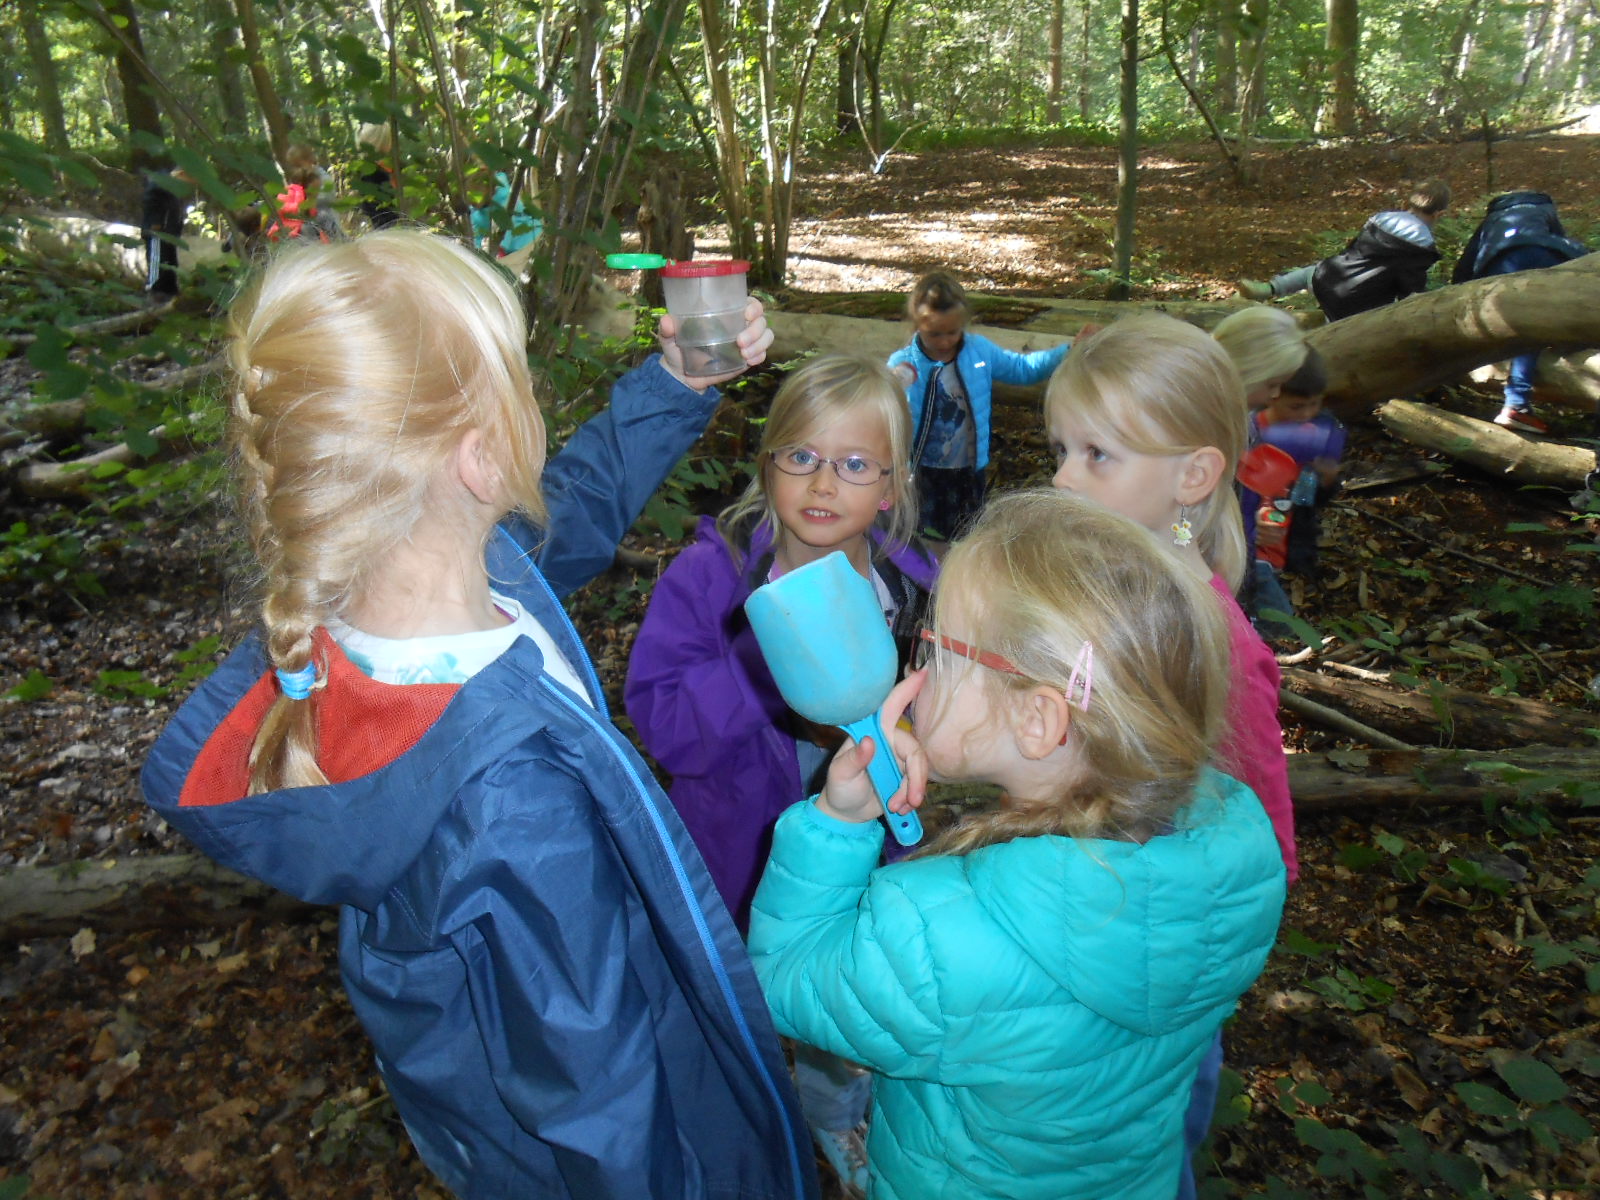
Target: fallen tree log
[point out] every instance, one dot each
(176, 890)
(1470, 718)
(1439, 336)
(794, 334)
(189, 891)
(1488, 447)
(1426, 776)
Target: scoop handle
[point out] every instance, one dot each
(885, 775)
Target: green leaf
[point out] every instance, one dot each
(1569, 1124)
(36, 686)
(1296, 942)
(1534, 1081)
(1394, 845)
(1529, 527)
(1487, 1101)
(14, 1188)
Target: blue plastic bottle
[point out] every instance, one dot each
(1304, 492)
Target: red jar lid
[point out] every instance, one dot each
(706, 266)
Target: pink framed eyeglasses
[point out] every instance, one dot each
(1080, 681)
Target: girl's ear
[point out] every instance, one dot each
(1200, 474)
(476, 468)
(1042, 722)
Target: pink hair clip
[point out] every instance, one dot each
(1082, 675)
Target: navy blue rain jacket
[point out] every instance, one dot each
(1513, 220)
(558, 999)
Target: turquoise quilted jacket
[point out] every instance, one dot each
(1034, 1012)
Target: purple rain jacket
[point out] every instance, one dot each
(706, 707)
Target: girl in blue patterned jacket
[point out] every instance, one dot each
(1035, 991)
(557, 999)
(949, 375)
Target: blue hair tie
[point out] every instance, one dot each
(297, 685)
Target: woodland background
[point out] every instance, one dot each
(1428, 1023)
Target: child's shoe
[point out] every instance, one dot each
(1521, 418)
(1252, 289)
(846, 1153)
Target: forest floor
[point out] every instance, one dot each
(225, 1062)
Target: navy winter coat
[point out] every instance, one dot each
(559, 1003)
(1514, 220)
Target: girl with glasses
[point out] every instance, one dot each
(830, 476)
(1035, 990)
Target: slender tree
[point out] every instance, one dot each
(1128, 153)
(1343, 39)
(46, 81)
(1053, 96)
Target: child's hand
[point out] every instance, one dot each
(849, 794)
(1327, 470)
(906, 373)
(753, 340)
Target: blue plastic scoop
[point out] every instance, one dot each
(829, 649)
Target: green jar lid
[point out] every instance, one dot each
(635, 262)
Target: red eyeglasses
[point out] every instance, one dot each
(1080, 681)
(984, 658)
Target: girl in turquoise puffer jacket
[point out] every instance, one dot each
(1035, 991)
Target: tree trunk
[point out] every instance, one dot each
(1437, 337)
(224, 32)
(1225, 69)
(177, 890)
(1488, 447)
(1128, 156)
(847, 117)
(1431, 776)
(138, 92)
(1085, 61)
(1472, 719)
(266, 93)
(1343, 37)
(46, 83)
(1052, 103)
(733, 174)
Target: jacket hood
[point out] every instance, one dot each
(301, 840)
(1131, 931)
(1520, 199)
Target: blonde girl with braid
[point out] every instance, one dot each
(559, 1003)
(1035, 991)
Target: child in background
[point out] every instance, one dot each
(1148, 418)
(1266, 345)
(949, 375)
(498, 227)
(831, 476)
(299, 156)
(298, 215)
(1035, 990)
(1387, 261)
(559, 1003)
(374, 175)
(1520, 231)
(1287, 528)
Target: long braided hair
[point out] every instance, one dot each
(357, 367)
